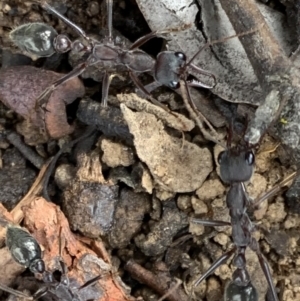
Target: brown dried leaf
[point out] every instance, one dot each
(22, 85)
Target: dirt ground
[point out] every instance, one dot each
(119, 202)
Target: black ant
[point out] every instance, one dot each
(170, 68)
(26, 251)
(236, 167)
(42, 40)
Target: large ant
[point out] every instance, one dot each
(236, 167)
(168, 68)
(26, 251)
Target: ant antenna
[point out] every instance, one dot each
(208, 44)
(196, 115)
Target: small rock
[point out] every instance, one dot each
(64, 173)
(221, 239)
(279, 241)
(262, 162)
(199, 206)
(164, 195)
(291, 221)
(214, 290)
(276, 212)
(116, 154)
(196, 229)
(90, 207)
(6, 8)
(210, 190)
(257, 186)
(128, 218)
(121, 174)
(15, 178)
(161, 235)
(93, 8)
(184, 202)
(146, 181)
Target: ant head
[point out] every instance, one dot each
(169, 68)
(236, 165)
(34, 38)
(237, 162)
(62, 43)
(37, 266)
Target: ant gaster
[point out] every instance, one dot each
(26, 251)
(168, 69)
(236, 167)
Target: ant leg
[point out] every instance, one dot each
(90, 282)
(15, 292)
(137, 82)
(215, 265)
(264, 266)
(152, 86)
(274, 190)
(266, 269)
(109, 6)
(40, 293)
(141, 41)
(105, 87)
(197, 116)
(76, 28)
(50, 168)
(43, 98)
(209, 223)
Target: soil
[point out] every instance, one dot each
(123, 196)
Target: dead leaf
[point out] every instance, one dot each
(22, 85)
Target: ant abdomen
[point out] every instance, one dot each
(24, 249)
(237, 292)
(34, 38)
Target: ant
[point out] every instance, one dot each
(26, 251)
(170, 68)
(236, 167)
(42, 40)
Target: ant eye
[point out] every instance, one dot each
(221, 157)
(180, 55)
(174, 84)
(250, 158)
